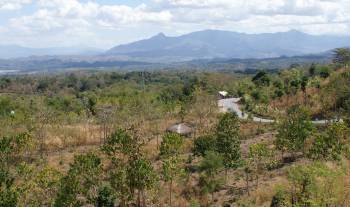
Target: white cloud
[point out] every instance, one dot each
(13, 4)
(263, 16)
(63, 14)
(243, 9)
(74, 20)
(59, 21)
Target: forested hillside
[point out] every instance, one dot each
(87, 138)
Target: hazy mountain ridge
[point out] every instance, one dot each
(209, 49)
(207, 44)
(224, 44)
(56, 63)
(15, 51)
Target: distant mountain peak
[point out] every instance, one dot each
(160, 35)
(295, 31)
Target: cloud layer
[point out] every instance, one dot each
(69, 22)
(13, 4)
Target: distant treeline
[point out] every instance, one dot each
(55, 63)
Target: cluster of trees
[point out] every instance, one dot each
(265, 87)
(88, 94)
(297, 134)
(87, 182)
(120, 173)
(220, 151)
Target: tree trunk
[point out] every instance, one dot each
(138, 198)
(170, 192)
(101, 134)
(143, 199)
(247, 182)
(123, 203)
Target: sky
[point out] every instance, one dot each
(106, 23)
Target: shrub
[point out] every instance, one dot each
(204, 144)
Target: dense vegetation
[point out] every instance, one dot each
(100, 139)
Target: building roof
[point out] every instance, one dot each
(182, 129)
(223, 93)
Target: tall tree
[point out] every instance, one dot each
(121, 148)
(211, 165)
(142, 177)
(261, 79)
(312, 69)
(294, 130)
(304, 82)
(228, 140)
(329, 145)
(258, 156)
(78, 186)
(170, 150)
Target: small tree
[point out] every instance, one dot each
(294, 130)
(258, 155)
(280, 199)
(13, 146)
(77, 187)
(330, 144)
(316, 185)
(261, 79)
(118, 178)
(171, 171)
(9, 194)
(121, 148)
(304, 82)
(312, 69)
(211, 165)
(37, 184)
(170, 149)
(141, 176)
(228, 141)
(171, 145)
(120, 143)
(203, 144)
(247, 171)
(11, 151)
(106, 197)
(324, 71)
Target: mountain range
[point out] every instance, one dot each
(210, 44)
(209, 49)
(207, 44)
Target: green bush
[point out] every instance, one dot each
(203, 144)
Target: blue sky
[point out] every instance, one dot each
(106, 23)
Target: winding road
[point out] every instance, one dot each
(231, 105)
